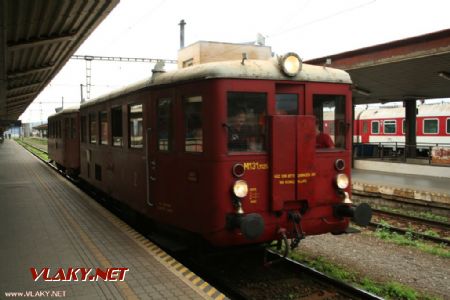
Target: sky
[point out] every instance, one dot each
(311, 28)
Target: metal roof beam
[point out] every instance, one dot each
(30, 71)
(28, 85)
(40, 41)
(22, 96)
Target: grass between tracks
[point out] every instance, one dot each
(409, 239)
(41, 154)
(413, 213)
(389, 290)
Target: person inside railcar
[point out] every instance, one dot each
(238, 131)
(323, 140)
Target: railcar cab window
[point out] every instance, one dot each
(331, 127)
(246, 122)
(164, 124)
(92, 128)
(103, 120)
(193, 141)
(116, 126)
(135, 126)
(286, 104)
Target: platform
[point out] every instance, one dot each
(48, 226)
(415, 187)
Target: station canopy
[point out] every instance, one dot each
(37, 37)
(409, 69)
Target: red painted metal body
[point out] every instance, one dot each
(64, 140)
(192, 191)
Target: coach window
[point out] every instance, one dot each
(330, 120)
(164, 124)
(116, 126)
(92, 129)
(193, 140)
(375, 127)
(83, 129)
(430, 126)
(448, 126)
(103, 120)
(246, 122)
(136, 126)
(286, 104)
(390, 127)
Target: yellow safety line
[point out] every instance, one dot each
(124, 288)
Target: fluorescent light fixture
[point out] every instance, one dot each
(444, 75)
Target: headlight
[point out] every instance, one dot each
(240, 188)
(342, 181)
(291, 64)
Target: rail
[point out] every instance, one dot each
(421, 153)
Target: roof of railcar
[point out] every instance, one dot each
(65, 111)
(251, 69)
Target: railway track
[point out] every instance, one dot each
(419, 228)
(243, 275)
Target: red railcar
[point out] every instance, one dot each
(64, 140)
(227, 150)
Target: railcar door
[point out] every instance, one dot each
(293, 144)
(160, 152)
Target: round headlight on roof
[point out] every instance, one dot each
(290, 64)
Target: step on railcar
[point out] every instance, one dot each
(228, 150)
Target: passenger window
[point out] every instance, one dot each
(286, 104)
(375, 127)
(331, 128)
(390, 126)
(92, 129)
(193, 141)
(430, 126)
(136, 126)
(164, 125)
(103, 117)
(116, 126)
(83, 129)
(246, 122)
(448, 126)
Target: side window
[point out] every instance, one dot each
(375, 127)
(193, 140)
(331, 128)
(246, 122)
(430, 126)
(286, 104)
(448, 126)
(403, 126)
(83, 129)
(136, 126)
(116, 126)
(390, 126)
(164, 124)
(92, 128)
(103, 120)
